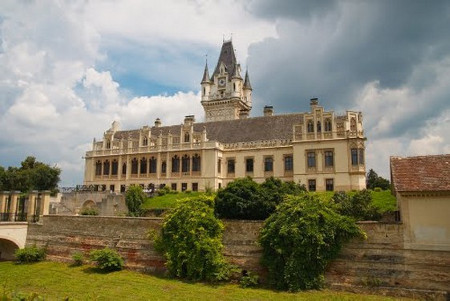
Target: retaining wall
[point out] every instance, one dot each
(379, 264)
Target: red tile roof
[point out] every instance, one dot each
(423, 173)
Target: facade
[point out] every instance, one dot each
(320, 149)
(422, 187)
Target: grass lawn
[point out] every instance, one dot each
(382, 200)
(168, 200)
(57, 281)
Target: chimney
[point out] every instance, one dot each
(268, 111)
(189, 119)
(314, 101)
(243, 114)
(157, 122)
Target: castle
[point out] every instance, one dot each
(320, 149)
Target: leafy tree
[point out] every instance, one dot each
(359, 206)
(134, 198)
(300, 239)
(373, 181)
(32, 175)
(241, 199)
(191, 241)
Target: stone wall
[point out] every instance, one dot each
(105, 202)
(379, 264)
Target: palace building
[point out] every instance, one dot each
(320, 149)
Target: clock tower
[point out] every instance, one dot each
(225, 95)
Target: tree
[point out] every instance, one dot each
(300, 239)
(191, 241)
(373, 181)
(32, 175)
(359, 206)
(134, 198)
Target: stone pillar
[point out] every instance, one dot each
(3, 199)
(13, 205)
(45, 202)
(31, 206)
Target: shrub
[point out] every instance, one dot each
(191, 241)
(248, 279)
(89, 211)
(30, 254)
(77, 258)
(358, 206)
(163, 191)
(299, 240)
(134, 198)
(241, 199)
(107, 260)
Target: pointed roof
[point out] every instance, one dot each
(237, 73)
(206, 78)
(247, 84)
(227, 57)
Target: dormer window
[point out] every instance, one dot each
(145, 141)
(353, 124)
(108, 144)
(328, 125)
(186, 137)
(319, 127)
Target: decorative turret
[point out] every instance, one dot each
(206, 84)
(223, 94)
(247, 90)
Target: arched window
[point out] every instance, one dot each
(186, 137)
(134, 166)
(196, 163)
(153, 165)
(353, 124)
(175, 163)
(98, 168)
(185, 163)
(143, 168)
(124, 168)
(114, 167)
(328, 127)
(319, 127)
(310, 126)
(106, 168)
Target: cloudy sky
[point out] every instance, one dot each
(69, 68)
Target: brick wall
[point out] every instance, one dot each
(379, 264)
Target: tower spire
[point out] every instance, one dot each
(247, 84)
(206, 78)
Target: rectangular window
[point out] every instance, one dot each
(174, 186)
(329, 184)
(249, 165)
(311, 159)
(361, 156)
(354, 153)
(219, 166)
(268, 164)
(194, 186)
(122, 188)
(288, 163)
(183, 186)
(111, 188)
(312, 185)
(329, 162)
(230, 166)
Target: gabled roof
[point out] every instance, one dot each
(228, 57)
(233, 131)
(421, 174)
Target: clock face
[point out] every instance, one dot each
(221, 82)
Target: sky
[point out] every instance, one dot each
(68, 69)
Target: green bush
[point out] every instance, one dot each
(248, 279)
(107, 260)
(163, 191)
(134, 198)
(78, 258)
(89, 211)
(191, 241)
(299, 240)
(358, 206)
(30, 254)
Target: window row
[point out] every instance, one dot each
(329, 184)
(312, 159)
(357, 155)
(327, 126)
(250, 162)
(144, 165)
